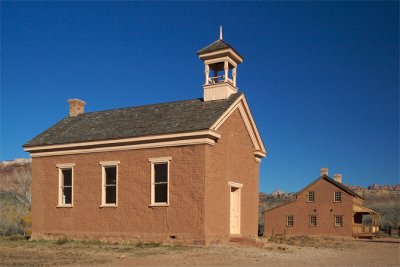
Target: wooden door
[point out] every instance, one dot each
(235, 210)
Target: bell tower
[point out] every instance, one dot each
(220, 62)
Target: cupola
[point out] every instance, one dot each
(220, 62)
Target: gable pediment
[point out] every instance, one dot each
(244, 110)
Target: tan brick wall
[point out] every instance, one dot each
(231, 159)
(133, 218)
(324, 208)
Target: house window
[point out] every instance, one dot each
(159, 181)
(66, 186)
(65, 181)
(337, 197)
(339, 221)
(311, 196)
(313, 220)
(289, 220)
(110, 184)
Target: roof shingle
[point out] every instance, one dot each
(217, 45)
(164, 118)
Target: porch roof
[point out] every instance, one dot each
(361, 209)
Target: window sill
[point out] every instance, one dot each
(337, 201)
(65, 206)
(159, 205)
(109, 206)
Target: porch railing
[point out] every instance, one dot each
(365, 229)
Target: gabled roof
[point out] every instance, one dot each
(165, 118)
(280, 205)
(217, 45)
(330, 180)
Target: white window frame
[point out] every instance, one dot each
(308, 196)
(61, 167)
(105, 164)
(341, 221)
(154, 161)
(309, 221)
(339, 197)
(287, 220)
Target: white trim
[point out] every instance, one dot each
(209, 132)
(103, 179)
(154, 161)
(65, 165)
(218, 52)
(253, 124)
(160, 159)
(233, 184)
(61, 167)
(197, 141)
(109, 163)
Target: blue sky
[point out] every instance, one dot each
(321, 78)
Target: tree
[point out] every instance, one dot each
(19, 184)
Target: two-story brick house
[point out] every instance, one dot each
(324, 207)
(186, 171)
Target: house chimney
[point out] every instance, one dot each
(337, 178)
(76, 107)
(324, 171)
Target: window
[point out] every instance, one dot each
(337, 197)
(110, 184)
(65, 181)
(311, 196)
(159, 181)
(339, 221)
(289, 220)
(313, 220)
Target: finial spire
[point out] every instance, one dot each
(220, 32)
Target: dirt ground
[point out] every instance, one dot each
(297, 251)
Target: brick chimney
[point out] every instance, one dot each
(337, 178)
(76, 107)
(324, 171)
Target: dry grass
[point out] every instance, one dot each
(19, 252)
(308, 241)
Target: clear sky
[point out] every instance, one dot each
(321, 78)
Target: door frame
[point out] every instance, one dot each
(238, 187)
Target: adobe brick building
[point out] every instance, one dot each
(324, 207)
(183, 171)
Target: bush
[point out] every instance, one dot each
(62, 241)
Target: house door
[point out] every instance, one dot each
(235, 210)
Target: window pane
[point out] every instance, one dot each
(160, 191)
(161, 172)
(67, 195)
(67, 177)
(111, 194)
(111, 175)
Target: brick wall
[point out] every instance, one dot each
(324, 208)
(231, 159)
(133, 218)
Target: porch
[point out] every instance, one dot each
(365, 222)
